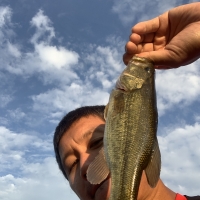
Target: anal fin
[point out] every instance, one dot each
(154, 166)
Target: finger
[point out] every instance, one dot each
(130, 48)
(162, 59)
(127, 57)
(161, 67)
(135, 38)
(147, 38)
(144, 47)
(159, 63)
(146, 26)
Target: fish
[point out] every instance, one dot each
(130, 144)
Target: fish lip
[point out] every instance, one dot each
(96, 187)
(121, 89)
(119, 86)
(128, 74)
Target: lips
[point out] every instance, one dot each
(95, 188)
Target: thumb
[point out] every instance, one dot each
(162, 59)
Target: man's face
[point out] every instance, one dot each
(77, 148)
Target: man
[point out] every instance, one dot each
(170, 40)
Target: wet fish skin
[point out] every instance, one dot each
(130, 141)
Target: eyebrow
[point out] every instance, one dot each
(86, 135)
(99, 128)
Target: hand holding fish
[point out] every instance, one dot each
(170, 40)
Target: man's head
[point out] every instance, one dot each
(68, 120)
(77, 141)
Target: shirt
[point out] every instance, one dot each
(180, 197)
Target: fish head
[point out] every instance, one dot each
(137, 72)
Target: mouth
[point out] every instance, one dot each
(98, 186)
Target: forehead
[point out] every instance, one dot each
(85, 123)
(82, 128)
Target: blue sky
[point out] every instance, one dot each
(58, 55)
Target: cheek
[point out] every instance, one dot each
(77, 185)
(104, 191)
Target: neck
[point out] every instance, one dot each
(157, 193)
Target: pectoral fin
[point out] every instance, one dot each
(153, 168)
(98, 169)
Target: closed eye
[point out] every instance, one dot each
(73, 165)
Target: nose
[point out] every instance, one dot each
(84, 163)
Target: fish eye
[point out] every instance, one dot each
(147, 69)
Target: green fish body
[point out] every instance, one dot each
(130, 141)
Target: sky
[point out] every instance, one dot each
(58, 55)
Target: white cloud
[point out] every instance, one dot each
(105, 63)
(180, 158)
(5, 99)
(134, 11)
(15, 146)
(51, 62)
(39, 181)
(3, 121)
(68, 98)
(56, 56)
(102, 65)
(13, 50)
(177, 87)
(127, 9)
(111, 58)
(16, 114)
(5, 28)
(54, 65)
(50, 55)
(197, 118)
(43, 26)
(5, 15)
(11, 140)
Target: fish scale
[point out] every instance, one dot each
(130, 132)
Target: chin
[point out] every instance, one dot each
(103, 192)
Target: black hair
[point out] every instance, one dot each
(66, 123)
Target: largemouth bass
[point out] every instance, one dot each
(130, 141)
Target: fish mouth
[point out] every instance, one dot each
(121, 89)
(120, 86)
